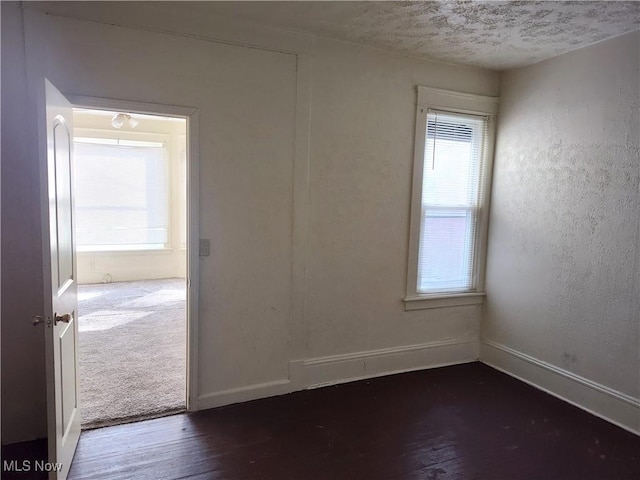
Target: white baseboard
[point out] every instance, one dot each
(331, 370)
(335, 369)
(243, 394)
(611, 405)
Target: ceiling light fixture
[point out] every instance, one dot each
(120, 120)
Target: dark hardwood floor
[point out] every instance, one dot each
(19, 460)
(462, 422)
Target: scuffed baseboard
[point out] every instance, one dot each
(611, 405)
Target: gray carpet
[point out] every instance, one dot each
(132, 350)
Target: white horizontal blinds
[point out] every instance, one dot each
(451, 193)
(121, 196)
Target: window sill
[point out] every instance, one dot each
(421, 302)
(141, 251)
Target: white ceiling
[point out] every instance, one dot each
(492, 34)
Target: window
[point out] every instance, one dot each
(454, 147)
(122, 194)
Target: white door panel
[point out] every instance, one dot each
(63, 410)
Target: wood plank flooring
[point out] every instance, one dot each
(462, 422)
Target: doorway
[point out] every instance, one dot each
(130, 187)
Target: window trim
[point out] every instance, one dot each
(163, 140)
(455, 102)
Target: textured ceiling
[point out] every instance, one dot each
(492, 34)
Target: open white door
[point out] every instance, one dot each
(61, 303)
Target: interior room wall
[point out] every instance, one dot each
(361, 161)
(23, 381)
(261, 332)
(121, 266)
(563, 277)
(246, 99)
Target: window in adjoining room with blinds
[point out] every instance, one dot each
(454, 144)
(122, 195)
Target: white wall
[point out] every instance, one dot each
(563, 275)
(23, 387)
(361, 160)
(246, 99)
(305, 160)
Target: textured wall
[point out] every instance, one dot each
(246, 99)
(563, 276)
(362, 125)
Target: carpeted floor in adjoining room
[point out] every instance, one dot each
(132, 350)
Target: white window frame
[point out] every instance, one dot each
(455, 102)
(163, 139)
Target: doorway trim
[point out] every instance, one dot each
(192, 115)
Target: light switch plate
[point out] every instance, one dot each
(205, 247)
